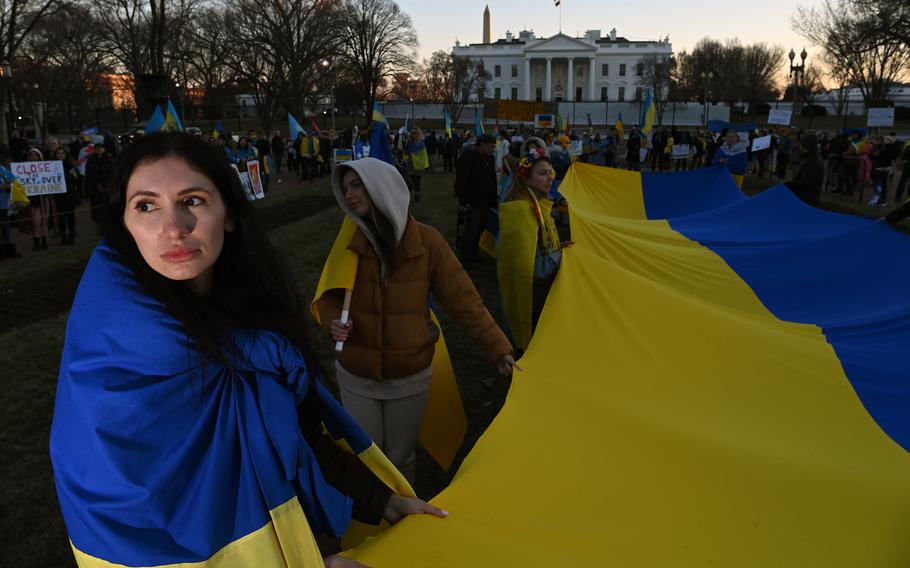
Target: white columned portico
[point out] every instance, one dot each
(591, 95)
(570, 82)
(527, 78)
(548, 90)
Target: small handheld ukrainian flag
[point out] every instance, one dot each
(378, 115)
(156, 122)
(448, 119)
(478, 122)
(619, 126)
(294, 127)
(647, 113)
(172, 119)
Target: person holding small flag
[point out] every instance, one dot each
(376, 295)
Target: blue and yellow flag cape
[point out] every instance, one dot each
(420, 160)
(378, 115)
(444, 422)
(162, 460)
(448, 121)
(720, 399)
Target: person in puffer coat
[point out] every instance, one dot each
(384, 370)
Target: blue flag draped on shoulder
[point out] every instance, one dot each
(156, 122)
(162, 459)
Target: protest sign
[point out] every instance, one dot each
(577, 148)
(761, 143)
(880, 117)
(780, 117)
(252, 167)
(245, 182)
(40, 178)
(680, 151)
(343, 155)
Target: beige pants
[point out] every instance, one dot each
(390, 411)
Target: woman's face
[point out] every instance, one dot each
(541, 177)
(178, 220)
(60, 154)
(732, 138)
(355, 194)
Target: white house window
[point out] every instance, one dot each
(497, 93)
(621, 96)
(605, 69)
(622, 69)
(514, 70)
(497, 71)
(514, 93)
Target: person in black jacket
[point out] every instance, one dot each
(97, 175)
(809, 173)
(475, 186)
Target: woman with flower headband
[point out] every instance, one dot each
(530, 250)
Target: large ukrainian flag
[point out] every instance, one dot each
(716, 380)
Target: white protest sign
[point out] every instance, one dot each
(577, 148)
(245, 182)
(40, 178)
(761, 143)
(252, 168)
(780, 117)
(880, 117)
(680, 151)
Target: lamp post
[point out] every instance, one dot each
(327, 66)
(707, 76)
(6, 74)
(795, 71)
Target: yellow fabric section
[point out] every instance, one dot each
(420, 160)
(488, 243)
(739, 180)
(678, 423)
(286, 541)
(596, 188)
(340, 269)
(515, 266)
(444, 422)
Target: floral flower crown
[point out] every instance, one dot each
(527, 161)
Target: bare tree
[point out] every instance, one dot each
(137, 35)
(283, 46)
(450, 80)
(17, 19)
(60, 66)
(873, 63)
(657, 75)
(379, 40)
(203, 61)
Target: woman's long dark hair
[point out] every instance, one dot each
(251, 285)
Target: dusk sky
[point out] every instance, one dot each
(439, 23)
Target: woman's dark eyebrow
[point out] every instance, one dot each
(147, 193)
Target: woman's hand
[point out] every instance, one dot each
(400, 507)
(341, 331)
(506, 363)
(335, 561)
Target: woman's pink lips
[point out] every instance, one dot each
(180, 254)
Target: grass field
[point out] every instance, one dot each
(35, 294)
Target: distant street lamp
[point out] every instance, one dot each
(706, 77)
(796, 71)
(326, 64)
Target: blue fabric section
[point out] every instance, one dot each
(379, 144)
(684, 193)
(157, 462)
(845, 274)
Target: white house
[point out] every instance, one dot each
(563, 68)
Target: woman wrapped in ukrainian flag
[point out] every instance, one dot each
(190, 426)
(529, 249)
